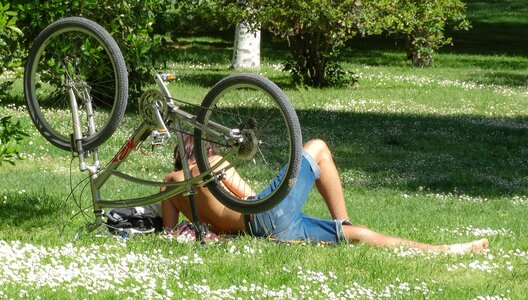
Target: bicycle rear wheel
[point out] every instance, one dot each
(80, 54)
(271, 142)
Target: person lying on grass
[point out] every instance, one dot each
(286, 221)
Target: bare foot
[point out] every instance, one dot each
(474, 246)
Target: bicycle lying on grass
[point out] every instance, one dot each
(75, 64)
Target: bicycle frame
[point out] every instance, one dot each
(160, 133)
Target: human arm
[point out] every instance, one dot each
(169, 212)
(232, 180)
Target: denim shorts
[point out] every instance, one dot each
(286, 221)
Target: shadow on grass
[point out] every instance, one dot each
(456, 154)
(208, 77)
(464, 155)
(491, 39)
(27, 211)
(198, 53)
(205, 78)
(502, 78)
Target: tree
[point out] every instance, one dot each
(246, 49)
(212, 15)
(315, 30)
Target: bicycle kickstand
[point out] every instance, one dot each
(195, 220)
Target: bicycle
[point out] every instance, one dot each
(75, 64)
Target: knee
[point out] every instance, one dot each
(318, 149)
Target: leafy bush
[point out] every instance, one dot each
(9, 47)
(191, 17)
(129, 22)
(10, 134)
(317, 30)
(422, 23)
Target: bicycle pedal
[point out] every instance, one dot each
(159, 136)
(157, 142)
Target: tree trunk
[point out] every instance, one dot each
(246, 51)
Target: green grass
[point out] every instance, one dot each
(437, 155)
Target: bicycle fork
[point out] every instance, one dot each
(83, 90)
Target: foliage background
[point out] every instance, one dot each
(10, 132)
(131, 23)
(316, 31)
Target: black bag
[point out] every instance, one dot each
(129, 220)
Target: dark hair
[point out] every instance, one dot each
(188, 146)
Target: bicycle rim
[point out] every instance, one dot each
(78, 52)
(255, 103)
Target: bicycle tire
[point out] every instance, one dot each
(85, 51)
(232, 103)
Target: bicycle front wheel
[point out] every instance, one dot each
(76, 55)
(265, 150)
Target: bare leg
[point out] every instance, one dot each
(372, 238)
(330, 188)
(329, 184)
(170, 214)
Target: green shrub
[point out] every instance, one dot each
(129, 22)
(317, 30)
(422, 23)
(191, 17)
(10, 134)
(9, 48)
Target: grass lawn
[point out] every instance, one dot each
(437, 155)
